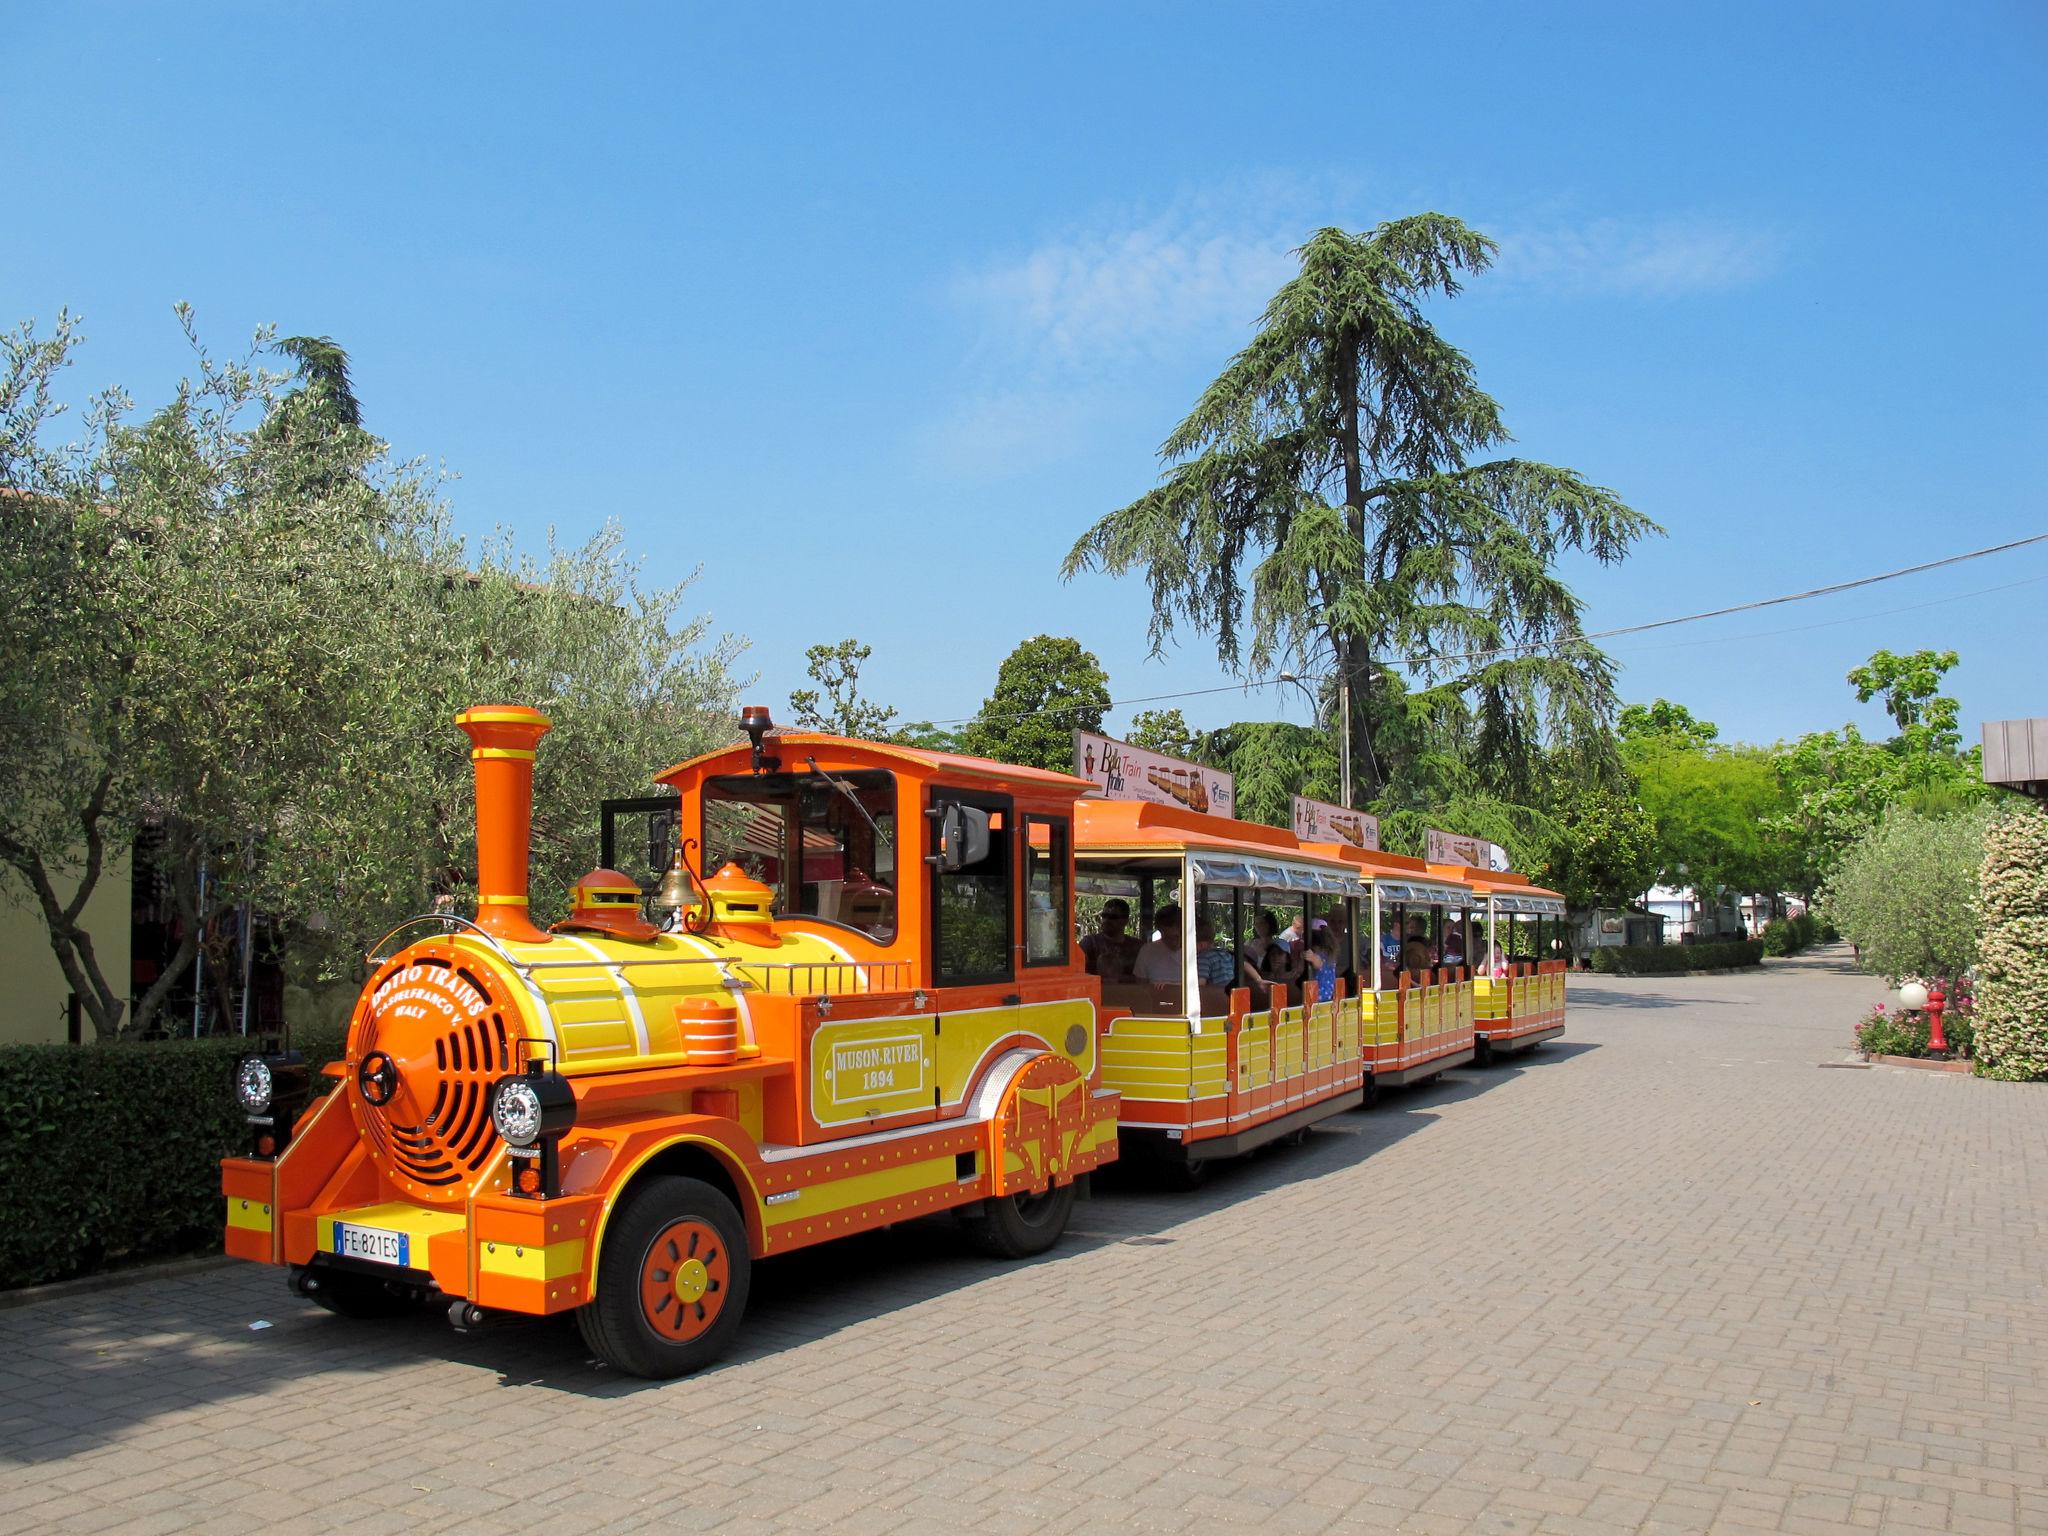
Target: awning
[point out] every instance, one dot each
(1540, 906)
(1268, 875)
(1417, 893)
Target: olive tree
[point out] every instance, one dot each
(1906, 894)
(239, 622)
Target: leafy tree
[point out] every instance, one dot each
(1605, 853)
(1910, 687)
(1664, 718)
(1046, 689)
(933, 738)
(841, 710)
(1273, 761)
(1322, 501)
(253, 637)
(1837, 786)
(1907, 894)
(1713, 807)
(1164, 730)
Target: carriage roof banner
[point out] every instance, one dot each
(1473, 852)
(1121, 771)
(1318, 821)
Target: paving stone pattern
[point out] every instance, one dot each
(1668, 1275)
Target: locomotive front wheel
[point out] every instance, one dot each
(671, 1281)
(1018, 1226)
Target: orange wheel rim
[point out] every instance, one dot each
(685, 1279)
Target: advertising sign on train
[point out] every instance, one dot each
(1121, 771)
(1318, 821)
(1473, 852)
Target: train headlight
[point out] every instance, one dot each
(270, 1090)
(252, 1085)
(531, 1107)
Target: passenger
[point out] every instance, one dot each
(1213, 965)
(1265, 933)
(1454, 946)
(1159, 962)
(1109, 951)
(1418, 958)
(1322, 963)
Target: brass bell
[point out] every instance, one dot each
(678, 889)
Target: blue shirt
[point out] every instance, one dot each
(1214, 967)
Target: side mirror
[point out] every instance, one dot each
(963, 836)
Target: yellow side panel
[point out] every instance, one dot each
(1148, 1059)
(553, 1261)
(968, 1040)
(1211, 1051)
(864, 1069)
(815, 1200)
(1254, 1052)
(1288, 1057)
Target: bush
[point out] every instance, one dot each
(1670, 959)
(111, 1153)
(1884, 1033)
(1778, 938)
(1805, 931)
(1906, 893)
(2012, 978)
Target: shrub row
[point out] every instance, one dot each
(1789, 935)
(111, 1153)
(1667, 959)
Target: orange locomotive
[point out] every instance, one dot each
(874, 1010)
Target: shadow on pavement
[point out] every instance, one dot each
(95, 1368)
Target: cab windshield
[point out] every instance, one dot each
(823, 842)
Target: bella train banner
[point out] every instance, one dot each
(1318, 821)
(1124, 772)
(1472, 852)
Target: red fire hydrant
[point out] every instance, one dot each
(1937, 1042)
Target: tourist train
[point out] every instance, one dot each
(900, 991)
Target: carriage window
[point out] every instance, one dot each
(826, 845)
(1045, 890)
(971, 906)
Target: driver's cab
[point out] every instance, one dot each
(925, 869)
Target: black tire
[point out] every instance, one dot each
(665, 1225)
(1179, 1173)
(346, 1294)
(1019, 1226)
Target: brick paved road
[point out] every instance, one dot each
(1666, 1276)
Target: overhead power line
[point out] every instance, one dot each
(1532, 647)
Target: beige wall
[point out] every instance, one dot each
(32, 986)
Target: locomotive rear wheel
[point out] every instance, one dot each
(1020, 1226)
(671, 1282)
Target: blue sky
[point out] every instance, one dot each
(869, 312)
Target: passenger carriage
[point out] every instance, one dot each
(1210, 1071)
(1422, 1007)
(873, 1011)
(1519, 978)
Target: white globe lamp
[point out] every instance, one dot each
(1912, 997)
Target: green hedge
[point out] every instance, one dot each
(111, 1153)
(1669, 959)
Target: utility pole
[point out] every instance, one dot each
(1344, 734)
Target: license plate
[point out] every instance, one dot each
(374, 1244)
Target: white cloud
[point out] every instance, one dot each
(1139, 289)
(1660, 258)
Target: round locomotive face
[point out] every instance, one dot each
(440, 1024)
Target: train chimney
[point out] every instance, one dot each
(502, 742)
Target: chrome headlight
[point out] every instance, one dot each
(253, 1085)
(515, 1111)
(532, 1106)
